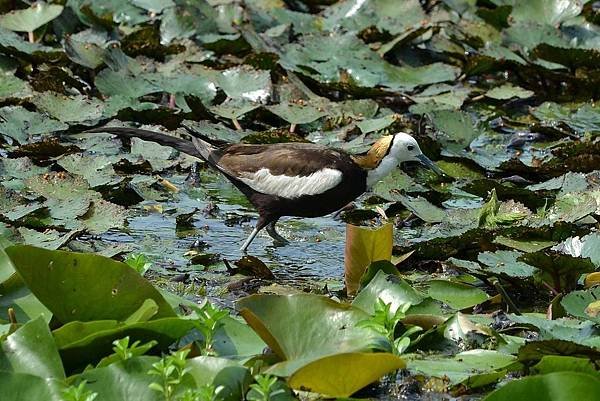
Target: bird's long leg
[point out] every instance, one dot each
(262, 222)
(275, 235)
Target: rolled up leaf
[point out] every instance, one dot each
(365, 245)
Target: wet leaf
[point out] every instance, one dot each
(456, 295)
(303, 328)
(390, 289)
(22, 386)
(508, 91)
(20, 124)
(65, 283)
(30, 19)
(31, 350)
(552, 386)
(124, 380)
(464, 367)
(69, 109)
(318, 376)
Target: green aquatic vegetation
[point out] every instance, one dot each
(170, 371)
(264, 389)
(385, 322)
(79, 393)
(501, 94)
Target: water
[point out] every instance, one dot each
(315, 252)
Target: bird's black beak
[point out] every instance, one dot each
(429, 164)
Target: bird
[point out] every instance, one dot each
(292, 179)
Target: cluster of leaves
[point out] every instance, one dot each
(124, 339)
(499, 92)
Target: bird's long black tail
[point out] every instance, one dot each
(180, 144)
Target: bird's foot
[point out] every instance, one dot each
(278, 240)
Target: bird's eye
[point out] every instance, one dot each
(410, 147)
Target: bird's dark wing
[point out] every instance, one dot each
(289, 170)
(290, 159)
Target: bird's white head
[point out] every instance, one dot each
(388, 152)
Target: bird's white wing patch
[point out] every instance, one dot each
(292, 186)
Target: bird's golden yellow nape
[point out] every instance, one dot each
(377, 152)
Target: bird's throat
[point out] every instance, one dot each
(386, 166)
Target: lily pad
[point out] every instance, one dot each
(557, 386)
(456, 295)
(65, 283)
(390, 289)
(32, 350)
(464, 367)
(508, 91)
(30, 19)
(18, 123)
(281, 321)
(69, 109)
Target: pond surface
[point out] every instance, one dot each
(223, 221)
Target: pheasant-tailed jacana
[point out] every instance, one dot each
(293, 179)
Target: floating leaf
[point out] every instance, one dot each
(31, 349)
(30, 19)
(456, 295)
(18, 123)
(69, 109)
(557, 386)
(65, 283)
(508, 91)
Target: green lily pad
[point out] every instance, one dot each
(464, 367)
(83, 343)
(13, 87)
(49, 239)
(387, 15)
(18, 123)
(424, 210)
(246, 83)
(508, 91)
(551, 12)
(186, 20)
(390, 289)
(97, 170)
(103, 216)
(297, 113)
(22, 386)
(559, 386)
(506, 262)
(124, 380)
(524, 245)
(342, 375)
(65, 283)
(13, 43)
(30, 19)
(233, 109)
(31, 349)
(69, 109)
(557, 363)
(456, 129)
(303, 328)
(456, 295)
(234, 377)
(86, 48)
(577, 303)
(345, 59)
